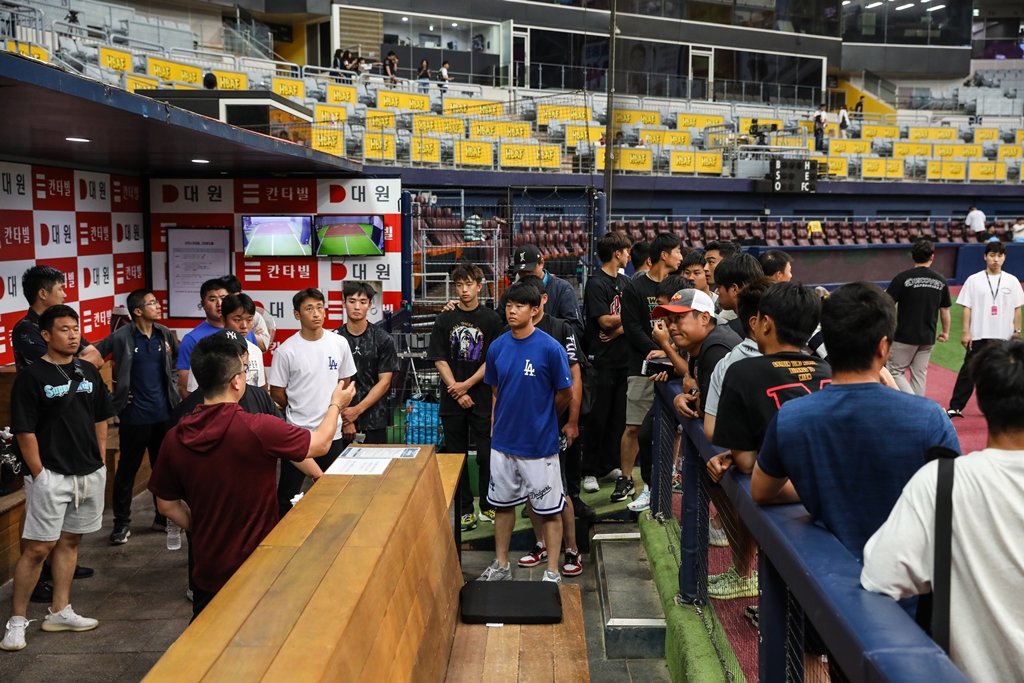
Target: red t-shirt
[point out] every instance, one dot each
(222, 461)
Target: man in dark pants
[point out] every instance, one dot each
(145, 393)
(458, 347)
(991, 301)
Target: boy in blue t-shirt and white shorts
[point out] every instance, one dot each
(528, 372)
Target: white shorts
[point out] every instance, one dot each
(515, 479)
(62, 502)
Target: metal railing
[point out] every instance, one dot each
(803, 572)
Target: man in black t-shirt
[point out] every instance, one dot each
(920, 294)
(373, 351)
(43, 286)
(458, 347)
(59, 412)
(605, 345)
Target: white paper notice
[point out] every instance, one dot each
(378, 453)
(359, 466)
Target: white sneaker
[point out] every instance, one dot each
(552, 577)
(67, 620)
(717, 537)
(642, 502)
(590, 485)
(188, 594)
(613, 475)
(14, 638)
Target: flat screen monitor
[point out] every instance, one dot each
(277, 236)
(349, 235)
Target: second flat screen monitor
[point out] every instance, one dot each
(349, 235)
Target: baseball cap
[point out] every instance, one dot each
(684, 301)
(238, 339)
(526, 257)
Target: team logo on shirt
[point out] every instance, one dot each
(331, 363)
(85, 387)
(528, 370)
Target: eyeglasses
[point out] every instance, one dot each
(154, 302)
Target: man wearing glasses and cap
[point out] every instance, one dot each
(562, 300)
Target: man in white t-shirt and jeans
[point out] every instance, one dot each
(303, 373)
(986, 596)
(975, 222)
(991, 301)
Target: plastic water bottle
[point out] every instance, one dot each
(173, 536)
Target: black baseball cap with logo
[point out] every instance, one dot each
(526, 257)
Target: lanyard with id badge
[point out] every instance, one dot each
(995, 292)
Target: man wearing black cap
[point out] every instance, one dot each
(562, 300)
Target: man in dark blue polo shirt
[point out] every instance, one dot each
(145, 394)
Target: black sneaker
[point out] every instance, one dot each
(953, 412)
(120, 534)
(80, 572)
(582, 510)
(623, 489)
(43, 592)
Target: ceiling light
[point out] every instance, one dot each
(846, 2)
(405, 18)
(200, 161)
(937, 7)
(430, 28)
(903, 7)
(74, 139)
(977, 12)
(872, 5)
(925, 2)
(455, 24)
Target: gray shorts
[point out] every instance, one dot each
(639, 399)
(63, 502)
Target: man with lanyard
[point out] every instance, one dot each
(145, 393)
(43, 286)
(991, 313)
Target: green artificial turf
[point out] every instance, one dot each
(950, 354)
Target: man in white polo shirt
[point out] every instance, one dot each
(975, 222)
(302, 376)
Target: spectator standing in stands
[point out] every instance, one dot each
(391, 68)
(526, 368)
(858, 108)
(563, 301)
(215, 477)
(639, 298)
(145, 394)
(443, 76)
(43, 286)
(820, 120)
(844, 121)
(991, 300)
(472, 228)
(985, 591)
(752, 391)
(606, 347)
(458, 346)
(920, 294)
(423, 76)
(1017, 230)
(975, 222)
(210, 295)
(376, 361)
(209, 81)
(59, 412)
(835, 451)
(339, 58)
(777, 264)
(303, 375)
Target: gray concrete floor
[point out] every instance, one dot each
(138, 595)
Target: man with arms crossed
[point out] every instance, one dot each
(215, 476)
(59, 412)
(991, 301)
(986, 596)
(373, 351)
(920, 294)
(303, 375)
(526, 367)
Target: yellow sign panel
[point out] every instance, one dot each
(518, 130)
(341, 94)
(1020, 136)
(406, 101)
(474, 153)
(901, 150)
(525, 155)
(629, 159)
(166, 70)
(695, 162)
(379, 146)
(666, 138)
(946, 169)
(792, 141)
(1009, 152)
(837, 167)
(133, 82)
(831, 129)
(873, 167)
(330, 139)
(428, 123)
(114, 59)
(849, 147)
(746, 121)
(915, 133)
(894, 168)
(329, 113)
(425, 149)
(288, 87)
(952, 150)
(690, 120)
(575, 134)
(459, 106)
(562, 112)
(28, 50)
(870, 131)
(379, 120)
(986, 171)
(636, 117)
(231, 80)
(986, 135)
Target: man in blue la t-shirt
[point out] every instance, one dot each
(528, 372)
(850, 448)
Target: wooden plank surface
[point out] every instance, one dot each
(450, 465)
